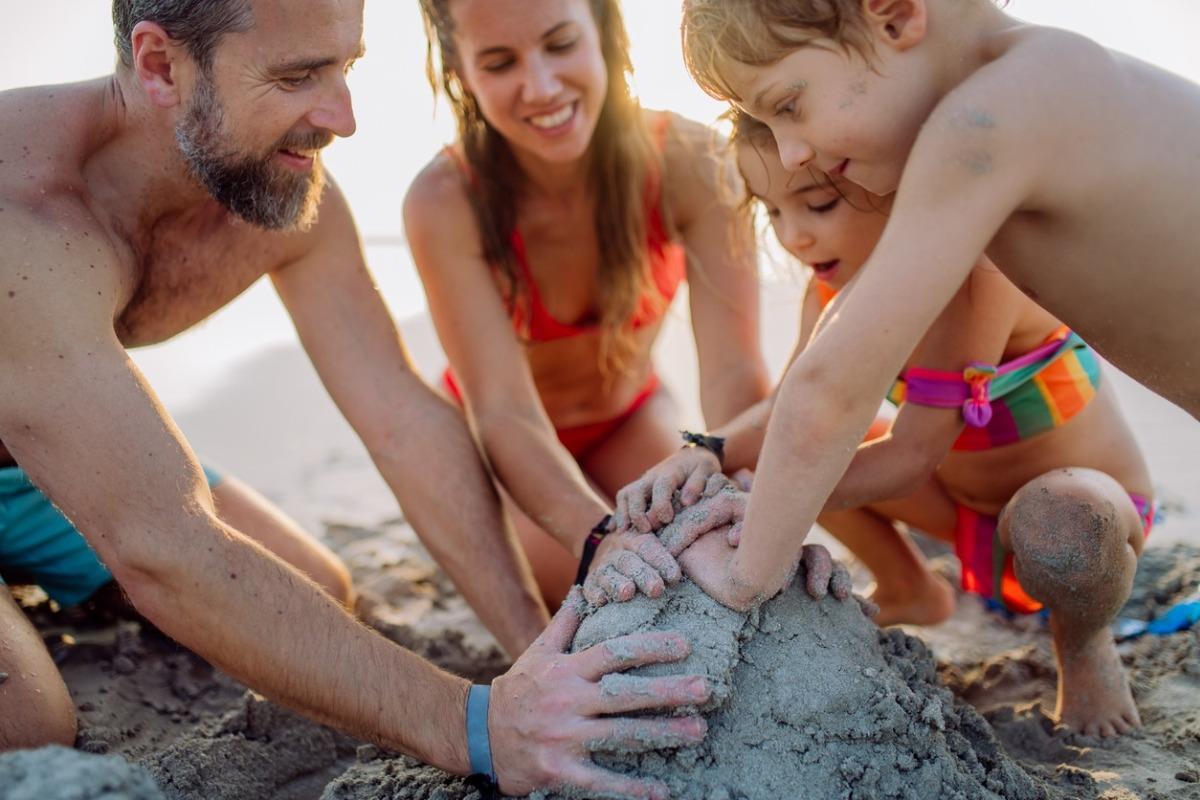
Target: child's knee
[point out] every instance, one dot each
(1068, 531)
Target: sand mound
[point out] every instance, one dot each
(810, 697)
(58, 773)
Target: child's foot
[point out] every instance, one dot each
(929, 602)
(1093, 691)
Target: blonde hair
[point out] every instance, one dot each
(624, 162)
(760, 32)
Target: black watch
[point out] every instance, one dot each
(599, 531)
(713, 444)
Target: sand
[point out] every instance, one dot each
(199, 734)
(202, 735)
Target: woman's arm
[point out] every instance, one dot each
(646, 503)
(702, 189)
(476, 332)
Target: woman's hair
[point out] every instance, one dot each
(623, 164)
(760, 32)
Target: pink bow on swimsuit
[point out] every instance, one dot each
(976, 409)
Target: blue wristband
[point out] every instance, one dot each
(479, 743)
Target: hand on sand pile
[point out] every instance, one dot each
(552, 710)
(709, 562)
(648, 503)
(627, 562)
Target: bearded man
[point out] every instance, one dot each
(133, 207)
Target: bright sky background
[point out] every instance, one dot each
(54, 41)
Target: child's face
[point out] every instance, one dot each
(838, 113)
(831, 228)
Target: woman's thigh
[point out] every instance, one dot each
(646, 438)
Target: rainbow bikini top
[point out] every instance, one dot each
(1017, 400)
(1011, 402)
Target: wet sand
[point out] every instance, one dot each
(200, 734)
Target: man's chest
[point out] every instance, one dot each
(177, 279)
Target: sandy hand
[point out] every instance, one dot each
(551, 710)
(648, 503)
(709, 563)
(627, 562)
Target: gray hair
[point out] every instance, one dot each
(198, 24)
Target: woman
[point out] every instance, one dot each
(551, 238)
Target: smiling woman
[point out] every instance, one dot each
(551, 237)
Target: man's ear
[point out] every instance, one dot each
(899, 24)
(156, 63)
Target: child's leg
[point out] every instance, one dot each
(1075, 537)
(905, 590)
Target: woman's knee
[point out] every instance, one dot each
(331, 574)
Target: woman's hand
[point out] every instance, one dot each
(648, 503)
(627, 562)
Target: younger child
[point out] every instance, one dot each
(998, 402)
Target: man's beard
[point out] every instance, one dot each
(250, 186)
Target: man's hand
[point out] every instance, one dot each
(551, 710)
(646, 504)
(709, 561)
(626, 562)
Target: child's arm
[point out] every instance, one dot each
(967, 174)
(975, 327)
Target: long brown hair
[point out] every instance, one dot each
(623, 163)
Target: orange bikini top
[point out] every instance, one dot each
(668, 267)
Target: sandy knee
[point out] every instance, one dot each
(1069, 532)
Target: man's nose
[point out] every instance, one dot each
(335, 110)
(542, 83)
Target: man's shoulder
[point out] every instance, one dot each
(44, 131)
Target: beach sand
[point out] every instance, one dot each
(200, 734)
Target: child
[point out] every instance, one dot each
(1000, 396)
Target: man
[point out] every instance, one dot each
(133, 207)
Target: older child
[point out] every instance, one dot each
(998, 395)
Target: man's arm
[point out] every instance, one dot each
(420, 442)
(79, 417)
(963, 180)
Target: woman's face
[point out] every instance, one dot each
(536, 69)
(831, 227)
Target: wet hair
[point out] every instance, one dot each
(760, 32)
(197, 24)
(624, 162)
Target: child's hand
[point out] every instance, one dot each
(709, 561)
(646, 504)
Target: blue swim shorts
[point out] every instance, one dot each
(39, 545)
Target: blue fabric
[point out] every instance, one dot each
(479, 743)
(39, 544)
